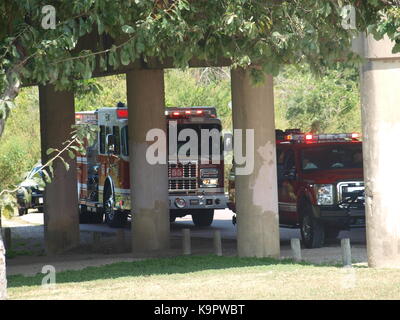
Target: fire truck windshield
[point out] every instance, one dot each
(344, 156)
(213, 143)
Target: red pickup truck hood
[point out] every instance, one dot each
(333, 176)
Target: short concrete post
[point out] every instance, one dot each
(346, 252)
(217, 243)
(296, 249)
(7, 238)
(186, 242)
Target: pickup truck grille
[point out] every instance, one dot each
(351, 193)
(188, 179)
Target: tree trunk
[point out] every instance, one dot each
(9, 94)
(3, 279)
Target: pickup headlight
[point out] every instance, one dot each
(324, 193)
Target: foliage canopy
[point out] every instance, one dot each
(267, 33)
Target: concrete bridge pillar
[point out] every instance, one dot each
(148, 183)
(256, 191)
(380, 99)
(61, 221)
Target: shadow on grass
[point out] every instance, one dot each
(161, 266)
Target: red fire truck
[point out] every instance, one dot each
(320, 184)
(195, 187)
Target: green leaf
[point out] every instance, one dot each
(65, 163)
(71, 154)
(128, 29)
(47, 177)
(50, 150)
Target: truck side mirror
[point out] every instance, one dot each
(290, 174)
(228, 141)
(110, 143)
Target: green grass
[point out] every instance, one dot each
(165, 266)
(211, 277)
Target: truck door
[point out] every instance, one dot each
(287, 184)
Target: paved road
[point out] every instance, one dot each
(222, 221)
(30, 227)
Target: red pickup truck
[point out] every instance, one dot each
(320, 184)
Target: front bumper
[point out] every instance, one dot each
(345, 218)
(37, 200)
(34, 200)
(211, 201)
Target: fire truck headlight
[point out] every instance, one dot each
(209, 183)
(180, 203)
(324, 193)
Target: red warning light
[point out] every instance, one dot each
(122, 113)
(309, 136)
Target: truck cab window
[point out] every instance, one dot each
(102, 139)
(104, 131)
(117, 139)
(124, 141)
(289, 161)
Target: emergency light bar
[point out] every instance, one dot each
(314, 138)
(173, 113)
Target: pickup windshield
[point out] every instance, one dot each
(344, 156)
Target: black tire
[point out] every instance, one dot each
(203, 218)
(114, 218)
(83, 215)
(312, 230)
(22, 211)
(97, 217)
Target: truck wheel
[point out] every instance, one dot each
(114, 218)
(312, 230)
(203, 218)
(83, 215)
(97, 217)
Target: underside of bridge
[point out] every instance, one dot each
(256, 192)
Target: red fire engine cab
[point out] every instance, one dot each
(195, 187)
(320, 184)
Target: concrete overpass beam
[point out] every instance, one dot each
(148, 183)
(380, 98)
(61, 221)
(256, 192)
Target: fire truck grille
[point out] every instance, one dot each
(182, 176)
(351, 194)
